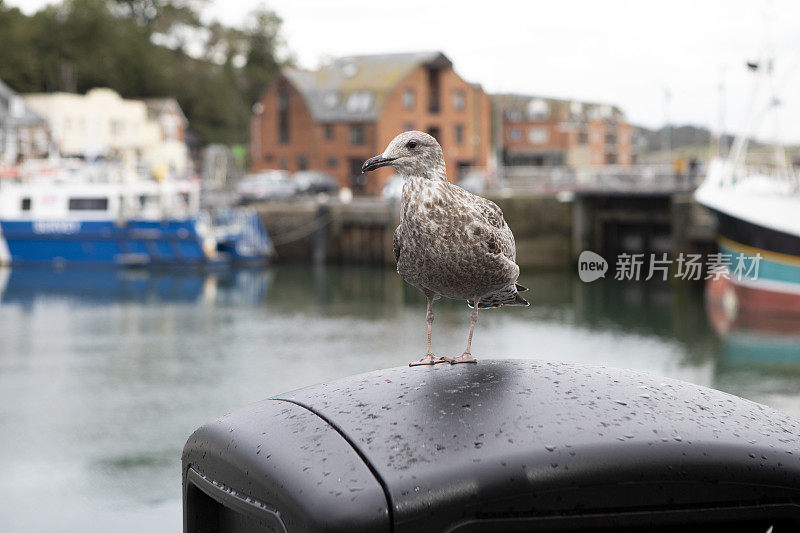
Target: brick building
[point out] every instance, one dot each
(550, 132)
(334, 118)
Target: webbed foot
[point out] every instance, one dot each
(428, 359)
(465, 357)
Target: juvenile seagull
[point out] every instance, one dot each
(450, 242)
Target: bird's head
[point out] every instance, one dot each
(412, 153)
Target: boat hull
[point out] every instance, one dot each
(775, 289)
(103, 243)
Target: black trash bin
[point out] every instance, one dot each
(498, 446)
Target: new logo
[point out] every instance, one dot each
(591, 266)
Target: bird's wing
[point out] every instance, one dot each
(497, 236)
(397, 243)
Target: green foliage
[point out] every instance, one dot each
(139, 48)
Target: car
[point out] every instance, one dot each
(393, 188)
(474, 181)
(315, 182)
(266, 185)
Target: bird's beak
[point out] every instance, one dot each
(376, 162)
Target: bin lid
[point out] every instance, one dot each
(510, 438)
(497, 445)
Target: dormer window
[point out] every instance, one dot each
(359, 102)
(331, 100)
(537, 109)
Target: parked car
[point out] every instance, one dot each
(474, 181)
(393, 188)
(315, 182)
(266, 185)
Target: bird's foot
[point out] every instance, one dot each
(465, 357)
(428, 359)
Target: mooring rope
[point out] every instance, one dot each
(301, 232)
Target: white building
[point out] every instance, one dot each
(23, 133)
(170, 154)
(101, 123)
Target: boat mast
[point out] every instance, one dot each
(763, 68)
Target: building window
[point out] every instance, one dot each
(359, 102)
(538, 135)
(459, 133)
(302, 162)
(515, 134)
(117, 128)
(459, 102)
(328, 132)
(433, 90)
(284, 164)
(331, 100)
(408, 98)
(333, 162)
(435, 133)
(408, 127)
(538, 109)
(170, 125)
(583, 138)
(26, 204)
(357, 134)
(358, 180)
(88, 204)
(268, 158)
(283, 117)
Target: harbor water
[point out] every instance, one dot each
(104, 374)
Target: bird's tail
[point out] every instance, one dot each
(506, 296)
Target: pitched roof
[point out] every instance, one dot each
(522, 108)
(21, 114)
(354, 88)
(157, 106)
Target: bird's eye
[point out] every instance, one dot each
(411, 144)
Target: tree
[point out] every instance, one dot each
(263, 40)
(138, 48)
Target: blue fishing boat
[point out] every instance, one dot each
(99, 215)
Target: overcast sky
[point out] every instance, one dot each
(622, 52)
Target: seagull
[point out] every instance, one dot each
(450, 242)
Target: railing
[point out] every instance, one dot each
(637, 178)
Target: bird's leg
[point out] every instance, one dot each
(466, 357)
(428, 358)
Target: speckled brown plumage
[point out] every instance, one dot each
(450, 242)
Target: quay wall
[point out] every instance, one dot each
(549, 233)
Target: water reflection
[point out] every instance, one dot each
(25, 285)
(759, 349)
(104, 374)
